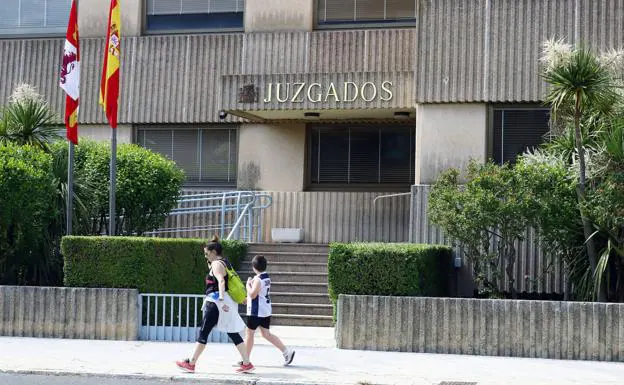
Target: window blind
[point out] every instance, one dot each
(207, 156)
(186, 7)
(26, 17)
(364, 11)
(361, 154)
(517, 130)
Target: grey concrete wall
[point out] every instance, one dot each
(279, 15)
(93, 17)
(72, 313)
(535, 329)
(278, 150)
(448, 135)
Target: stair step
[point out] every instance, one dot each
(313, 267)
(302, 320)
(302, 309)
(289, 256)
(277, 276)
(307, 298)
(299, 287)
(298, 247)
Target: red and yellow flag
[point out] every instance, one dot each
(109, 89)
(70, 75)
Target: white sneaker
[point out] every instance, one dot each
(289, 356)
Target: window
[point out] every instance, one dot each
(34, 17)
(208, 156)
(350, 13)
(361, 156)
(194, 15)
(516, 130)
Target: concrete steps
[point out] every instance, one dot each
(298, 282)
(291, 267)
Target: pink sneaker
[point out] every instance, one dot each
(246, 368)
(186, 366)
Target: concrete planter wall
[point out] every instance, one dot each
(76, 313)
(536, 329)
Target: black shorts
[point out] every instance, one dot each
(253, 322)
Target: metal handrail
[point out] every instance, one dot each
(245, 207)
(389, 196)
(238, 221)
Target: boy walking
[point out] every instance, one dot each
(259, 309)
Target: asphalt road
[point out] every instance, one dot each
(21, 379)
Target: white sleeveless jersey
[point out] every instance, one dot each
(261, 305)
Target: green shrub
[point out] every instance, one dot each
(152, 265)
(388, 269)
(148, 185)
(27, 191)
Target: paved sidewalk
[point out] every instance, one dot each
(318, 365)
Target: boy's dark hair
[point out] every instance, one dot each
(259, 263)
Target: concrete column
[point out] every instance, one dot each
(448, 135)
(272, 156)
(103, 133)
(279, 15)
(93, 17)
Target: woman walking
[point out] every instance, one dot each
(220, 311)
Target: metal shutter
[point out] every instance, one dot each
(187, 7)
(365, 10)
(34, 16)
(517, 130)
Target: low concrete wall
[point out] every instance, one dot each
(535, 329)
(58, 312)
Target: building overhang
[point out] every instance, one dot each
(357, 96)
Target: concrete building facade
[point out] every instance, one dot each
(328, 103)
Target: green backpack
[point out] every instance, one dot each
(236, 287)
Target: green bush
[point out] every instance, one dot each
(148, 185)
(388, 269)
(152, 265)
(27, 191)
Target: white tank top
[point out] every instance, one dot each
(261, 305)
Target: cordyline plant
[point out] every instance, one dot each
(28, 119)
(583, 87)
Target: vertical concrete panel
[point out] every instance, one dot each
(422, 324)
(620, 344)
(471, 330)
(506, 331)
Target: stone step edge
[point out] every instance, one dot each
(269, 252)
(299, 283)
(293, 263)
(303, 305)
(295, 273)
(282, 293)
(297, 316)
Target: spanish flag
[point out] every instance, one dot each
(109, 90)
(70, 75)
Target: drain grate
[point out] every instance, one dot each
(457, 383)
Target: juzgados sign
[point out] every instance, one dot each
(332, 92)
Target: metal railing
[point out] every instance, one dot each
(231, 215)
(173, 317)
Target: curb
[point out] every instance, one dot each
(210, 380)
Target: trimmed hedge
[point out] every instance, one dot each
(389, 269)
(152, 265)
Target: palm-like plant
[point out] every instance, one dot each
(28, 119)
(582, 86)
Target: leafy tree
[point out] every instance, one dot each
(148, 186)
(582, 86)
